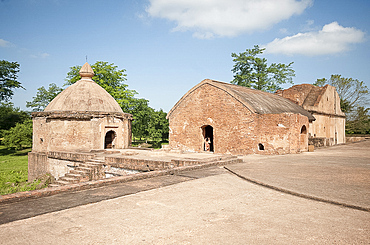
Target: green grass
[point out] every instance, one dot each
(14, 171)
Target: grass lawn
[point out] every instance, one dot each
(14, 171)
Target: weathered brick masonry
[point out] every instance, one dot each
(324, 104)
(239, 120)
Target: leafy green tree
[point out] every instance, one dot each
(10, 116)
(141, 113)
(109, 77)
(360, 123)
(352, 92)
(8, 79)
(253, 72)
(158, 126)
(19, 136)
(44, 97)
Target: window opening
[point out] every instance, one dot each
(304, 129)
(261, 147)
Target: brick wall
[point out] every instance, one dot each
(236, 129)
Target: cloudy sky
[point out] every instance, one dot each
(168, 46)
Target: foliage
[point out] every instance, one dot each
(253, 72)
(352, 92)
(148, 123)
(19, 136)
(44, 97)
(8, 79)
(10, 115)
(141, 113)
(111, 79)
(360, 124)
(158, 126)
(14, 172)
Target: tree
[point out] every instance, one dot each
(360, 124)
(352, 92)
(19, 136)
(44, 97)
(158, 126)
(253, 72)
(8, 79)
(10, 116)
(141, 113)
(111, 79)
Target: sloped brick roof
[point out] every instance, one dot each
(255, 100)
(304, 94)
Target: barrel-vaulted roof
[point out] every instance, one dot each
(84, 96)
(255, 100)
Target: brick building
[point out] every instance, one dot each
(226, 118)
(82, 118)
(324, 104)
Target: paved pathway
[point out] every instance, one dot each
(210, 206)
(339, 174)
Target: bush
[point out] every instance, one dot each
(19, 136)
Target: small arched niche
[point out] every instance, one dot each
(304, 129)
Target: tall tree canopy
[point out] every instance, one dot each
(352, 92)
(253, 72)
(44, 97)
(8, 79)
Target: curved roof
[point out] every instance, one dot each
(84, 96)
(255, 100)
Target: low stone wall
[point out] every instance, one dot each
(152, 165)
(320, 141)
(71, 156)
(37, 165)
(137, 164)
(350, 139)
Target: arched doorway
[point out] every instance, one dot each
(208, 143)
(109, 139)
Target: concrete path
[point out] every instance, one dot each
(338, 174)
(212, 206)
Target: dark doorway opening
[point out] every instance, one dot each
(261, 147)
(304, 129)
(109, 140)
(208, 138)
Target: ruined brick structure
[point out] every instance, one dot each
(227, 118)
(82, 118)
(324, 104)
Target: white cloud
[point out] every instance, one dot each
(4, 43)
(210, 18)
(42, 56)
(332, 39)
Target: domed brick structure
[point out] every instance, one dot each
(82, 118)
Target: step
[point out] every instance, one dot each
(69, 179)
(53, 185)
(87, 165)
(84, 169)
(74, 175)
(61, 182)
(80, 172)
(97, 160)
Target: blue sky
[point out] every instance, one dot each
(167, 47)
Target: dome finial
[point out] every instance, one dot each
(86, 71)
